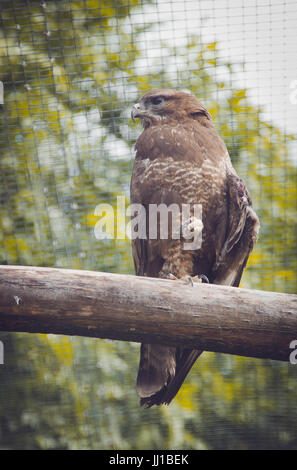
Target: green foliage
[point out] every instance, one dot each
(70, 72)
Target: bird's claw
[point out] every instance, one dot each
(171, 277)
(189, 279)
(203, 278)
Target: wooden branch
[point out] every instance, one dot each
(213, 318)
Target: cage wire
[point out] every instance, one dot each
(71, 71)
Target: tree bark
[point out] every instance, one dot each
(124, 307)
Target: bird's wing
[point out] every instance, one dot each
(241, 235)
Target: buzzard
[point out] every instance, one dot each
(180, 159)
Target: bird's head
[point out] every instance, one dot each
(167, 104)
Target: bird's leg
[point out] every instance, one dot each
(179, 264)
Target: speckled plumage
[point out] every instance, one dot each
(181, 159)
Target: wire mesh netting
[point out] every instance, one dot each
(71, 71)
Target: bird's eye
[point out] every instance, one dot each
(157, 100)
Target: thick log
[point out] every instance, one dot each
(123, 307)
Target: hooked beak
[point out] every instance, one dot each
(135, 112)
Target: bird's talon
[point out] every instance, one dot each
(188, 280)
(201, 278)
(171, 276)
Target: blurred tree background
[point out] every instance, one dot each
(71, 70)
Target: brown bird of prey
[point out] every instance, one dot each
(180, 159)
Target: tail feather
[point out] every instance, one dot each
(185, 359)
(156, 368)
